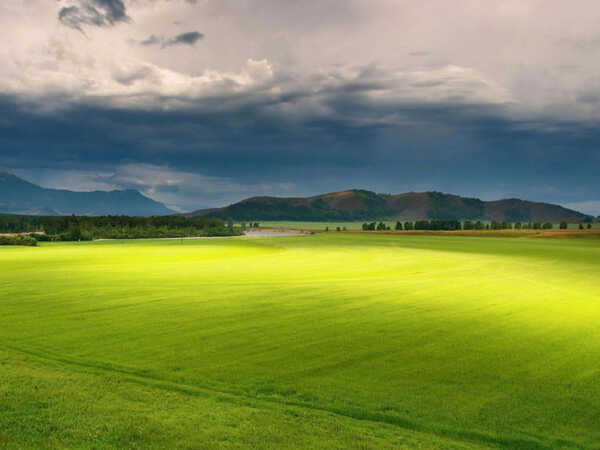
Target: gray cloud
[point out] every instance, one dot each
(327, 132)
(188, 38)
(99, 13)
(295, 93)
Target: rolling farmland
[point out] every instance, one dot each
(332, 340)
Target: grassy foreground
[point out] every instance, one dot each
(316, 341)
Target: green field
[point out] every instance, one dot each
(317, 341)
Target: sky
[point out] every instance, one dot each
(200, 103)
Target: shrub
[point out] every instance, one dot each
(18, 240)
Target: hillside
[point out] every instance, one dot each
(344, 205)
(18, 196)
(365, 205)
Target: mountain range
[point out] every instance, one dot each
(18, 196)
(356, 204)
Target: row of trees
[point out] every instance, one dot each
(83, 228)
(450, 225)
(374, 226)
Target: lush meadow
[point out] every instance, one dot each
(317, 341)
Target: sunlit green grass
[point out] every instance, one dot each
(332, 341)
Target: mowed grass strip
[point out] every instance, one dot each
(490, 342)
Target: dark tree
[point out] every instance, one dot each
(80, 228)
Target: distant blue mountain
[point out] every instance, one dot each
(18, 196)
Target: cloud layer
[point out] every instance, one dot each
(282, 98)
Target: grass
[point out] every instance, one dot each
(317, 341)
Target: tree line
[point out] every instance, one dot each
(85, 228)
(452, 225)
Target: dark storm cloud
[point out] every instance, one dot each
(189, 38)
(99, 13)
(288, 91)
(349, 140)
